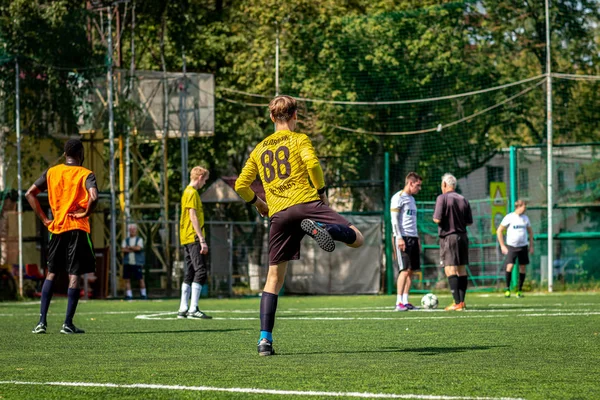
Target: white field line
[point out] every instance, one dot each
(464, 315)
(517, 309)
(258, 391)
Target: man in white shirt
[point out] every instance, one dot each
(518, 235)
(406, 237)
(133, 262)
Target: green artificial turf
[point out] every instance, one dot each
(543, 346)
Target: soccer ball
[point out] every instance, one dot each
(429, 301)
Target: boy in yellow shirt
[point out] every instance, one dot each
(285, 161)
(192, 238)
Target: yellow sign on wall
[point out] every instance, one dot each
(499, 203)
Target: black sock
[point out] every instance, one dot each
(46, 298)
(463, 282)
(508, 279)
(268, 307)
(73, 295)
(453, 282)
(341, 233)
(521, 281)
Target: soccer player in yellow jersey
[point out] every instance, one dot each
(285, 161)
(192, 238)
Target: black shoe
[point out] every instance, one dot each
(182, 314)
(265, 348)
(39, 328)
(71, 329)
(318, 232)
(198, 315)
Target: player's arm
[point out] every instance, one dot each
(530, 234)
(438, 210)
(500, 233)
(468, 215)
(33, 201)
(196, 226)
(125, 248)
(92, 188)
(315, 172)
(242, 187)
(395, 213)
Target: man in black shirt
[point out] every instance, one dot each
(453, 214)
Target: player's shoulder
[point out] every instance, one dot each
(189, 191)
(405, 196)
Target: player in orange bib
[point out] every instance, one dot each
(73, 195)
(285, 161)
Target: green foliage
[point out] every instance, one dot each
(56, 61)
(353, 50)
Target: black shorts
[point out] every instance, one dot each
(522, 253)
(286, 234)
(133, 272)
(454, 250)
(410, 258)
(71, 251)
(195, 269)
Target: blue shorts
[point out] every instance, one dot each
(133, 272)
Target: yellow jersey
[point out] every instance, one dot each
(284, 161)
(190, 199)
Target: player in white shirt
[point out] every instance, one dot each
(406, 237)
(133, 262)
(518, 235)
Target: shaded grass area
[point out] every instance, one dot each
(538, 347)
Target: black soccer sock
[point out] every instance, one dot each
(508, 279)
(341, 233)
(463, 282)
(521, 281)
(453, 282)
(268, 307)
(46, 298)
(73, 295)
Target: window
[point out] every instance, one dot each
(523, 182)
(494, 174)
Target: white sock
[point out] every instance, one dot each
(196, 290)
(185, 293)
(129, 293)
(398, 299)
(143, 292)
(405, 298)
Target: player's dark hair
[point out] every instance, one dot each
(282, 108)
(412, 177)
(73, 148)
(520, 203)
